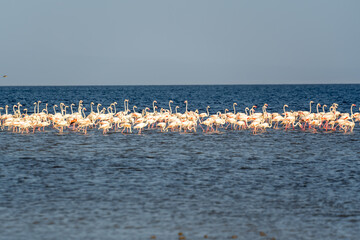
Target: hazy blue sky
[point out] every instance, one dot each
(76, 42)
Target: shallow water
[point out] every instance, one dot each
(289, 185)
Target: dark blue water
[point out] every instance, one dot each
(287, 184)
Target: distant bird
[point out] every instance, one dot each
(4, 76)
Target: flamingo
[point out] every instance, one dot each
(140, 126)
(186, 106)
(202, 115)
(170, 106)
(105, 126)
(154, 107)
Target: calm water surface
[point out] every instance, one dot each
(290, 185)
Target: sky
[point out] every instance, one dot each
(130, 42)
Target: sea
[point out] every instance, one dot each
(168, 185)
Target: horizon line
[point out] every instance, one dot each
(141, 85)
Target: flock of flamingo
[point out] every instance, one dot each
(109, 119)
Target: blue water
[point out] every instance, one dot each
(287, 184)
